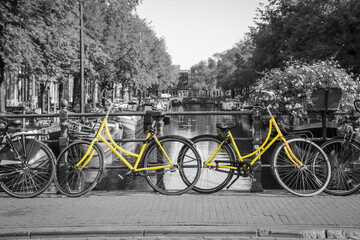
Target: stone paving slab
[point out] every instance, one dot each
(124, 213)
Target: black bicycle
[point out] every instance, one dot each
(27, 165)
(344, 156)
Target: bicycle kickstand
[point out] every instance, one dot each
(237, 177)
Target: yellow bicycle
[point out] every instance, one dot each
(299, 165)
(162, 161)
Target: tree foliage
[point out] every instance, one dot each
(309, 30)
(236, 70)
(42, 37)
(204, 75)
(231, 70)
(37, 35)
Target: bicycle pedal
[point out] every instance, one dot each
(128, 173)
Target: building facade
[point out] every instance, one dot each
(41, 94)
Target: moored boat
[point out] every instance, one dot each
(131, 124)
(227, 105)
(176, 102)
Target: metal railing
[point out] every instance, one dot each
(256, 116)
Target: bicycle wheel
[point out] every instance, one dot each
(27, 167)
(72, 180)
(185, 158)
(213, 179)
(344, 157)
(307, 180)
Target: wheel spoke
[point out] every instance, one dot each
(344, 158)
(76, 181)
(34, 169)
(177, 178)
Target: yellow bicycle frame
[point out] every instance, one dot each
(265, 146)
(115, 147)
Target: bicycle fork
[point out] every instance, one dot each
(291, 155)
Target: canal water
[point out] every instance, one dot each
(187, 126)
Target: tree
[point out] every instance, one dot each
(309, 30)
(204, 75)
(41, 38)
(35, 37)
(129, 53)
(235, 68)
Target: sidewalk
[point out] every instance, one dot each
(274, 214)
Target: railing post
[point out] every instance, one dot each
(160, 173)
(257, 140)
(63, 116)
(24, 119)
(354, 116)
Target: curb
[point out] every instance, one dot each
(142, 231)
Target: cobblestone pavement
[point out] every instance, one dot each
(147, 215)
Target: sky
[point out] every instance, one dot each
(194, 30)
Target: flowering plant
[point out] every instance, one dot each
(294, 84)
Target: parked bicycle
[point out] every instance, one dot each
(299, 165)
(27, 165)
(344, 156)
(161, 161)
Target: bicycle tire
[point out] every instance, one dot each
(31, 173)
(74, 181)
(183, 154)
(212, 179)
(345, 166)
(308, 180)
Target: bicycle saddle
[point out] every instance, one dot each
(155, 113)
(224, 126)
(11, 122)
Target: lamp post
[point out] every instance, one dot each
(82, 97)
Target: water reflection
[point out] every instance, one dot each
(185, 125)
(192, 125)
